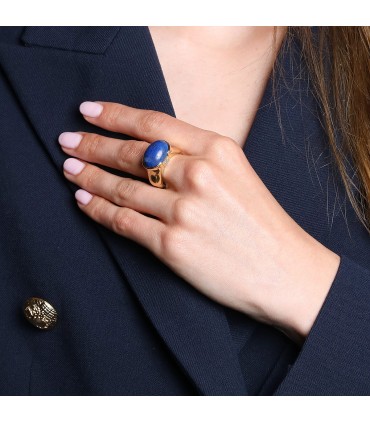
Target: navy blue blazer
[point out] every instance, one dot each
(127, 324)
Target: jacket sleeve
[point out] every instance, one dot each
(335, 358)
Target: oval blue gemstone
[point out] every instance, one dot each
(155, 154)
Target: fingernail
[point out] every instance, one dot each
(83, 196)
(73, 166)
(91, 109)
(69, 139)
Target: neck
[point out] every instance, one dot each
(230, 38)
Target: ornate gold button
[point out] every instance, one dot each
(40, 313)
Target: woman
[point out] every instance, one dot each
(239, 266)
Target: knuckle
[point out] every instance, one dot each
(221, 147)
(97, 211)
(121, 221)
(112, 115)
(90, 176)
(125, 189)
(150, 120)
(90, 145)
(171, 242)
(182, 211)
(199, 174)
(130, 152)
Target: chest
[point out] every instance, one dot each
(215, 90)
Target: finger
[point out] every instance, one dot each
(124, 192)
(148, 125)
(117, 154)
(122, 220)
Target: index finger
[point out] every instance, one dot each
(147, 125)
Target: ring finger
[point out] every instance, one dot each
(118, 154)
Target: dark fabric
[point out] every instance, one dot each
(83, 39)
(338, 345)
(127, 324)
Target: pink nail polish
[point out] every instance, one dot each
(91, 109)
(83, 196)
(73, 166)
(69, 139)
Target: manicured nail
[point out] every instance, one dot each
(83, 196)
(91, 109)
(69, 139)
(73, 166)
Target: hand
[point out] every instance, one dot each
(216, 224)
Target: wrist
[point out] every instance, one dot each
(318, 273)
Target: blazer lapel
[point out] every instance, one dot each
(52, 71)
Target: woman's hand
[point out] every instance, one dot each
(216, 224)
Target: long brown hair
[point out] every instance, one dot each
(338, 59)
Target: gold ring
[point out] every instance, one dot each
(156, 158)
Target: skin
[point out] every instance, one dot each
(216, 224)
(216, 75)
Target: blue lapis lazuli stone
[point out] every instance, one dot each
(155, 153)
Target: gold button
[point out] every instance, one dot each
(40, 313)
